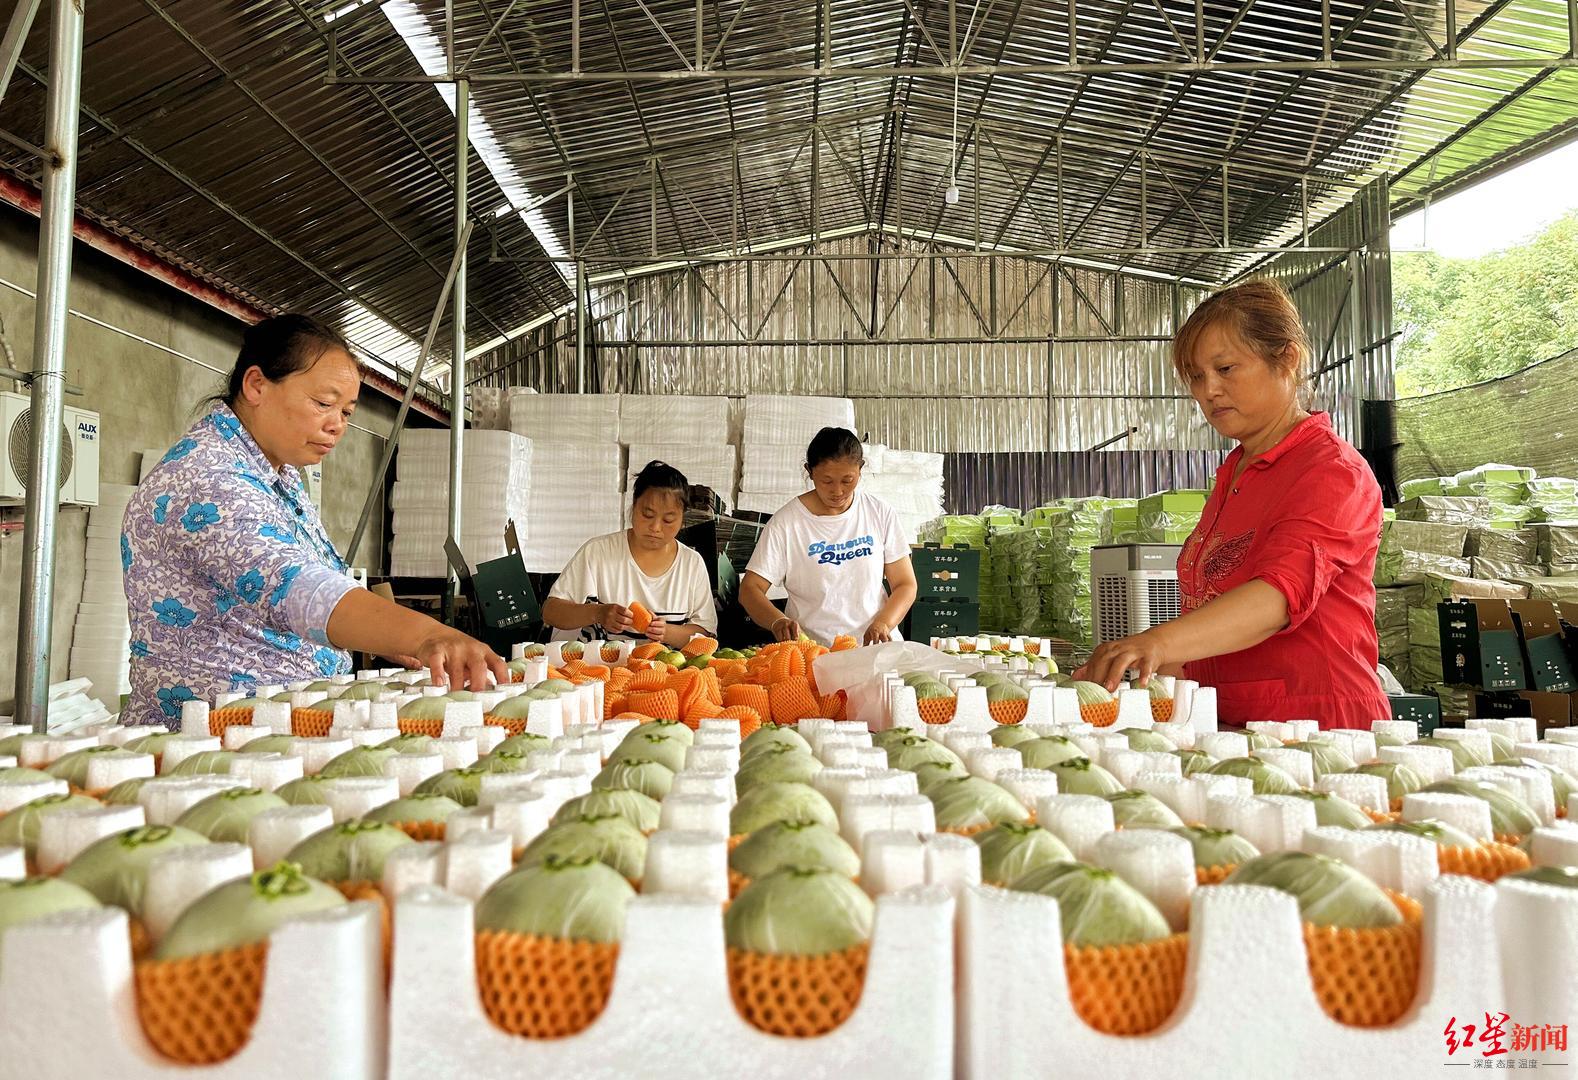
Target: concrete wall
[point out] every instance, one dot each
(147, 394)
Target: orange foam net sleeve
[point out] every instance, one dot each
(311, 723)
(1366, 978)
(200, 1010)
(937, 710)
(699, 646)
(798, 996)
(1127, 989)
(1161, 710)
(543, 988)
(752, 697)
(1213, 875)
(411, 726)
(640, 617)
(513, 725)
(1008, 712)
(1103, 715)
(220, 719)
(749, 719)
(1487, 862)
(647, 680)
(659, 704)
(792, 700)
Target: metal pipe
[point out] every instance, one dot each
(880, 73)
(410, 392)
(679, 259)
(741, 343)
(36, 617)
(457, 360)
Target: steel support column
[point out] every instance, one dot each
(457, 361)
(41, 511)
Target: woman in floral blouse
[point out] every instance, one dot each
(231, 580)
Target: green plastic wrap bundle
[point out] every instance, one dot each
(1120, 523)
(1391, 605)
(1455, 700)
(1424, 628)
(994, 586)
(1430, 485)
(1558, 547)
(1552, 498)
(1016, 566)
(1072, 536)
(952, 529)
(1503, 487)
(1169, 517)
(1446, 510)
(1503, 545)
(1498, 570)
(1425, 664)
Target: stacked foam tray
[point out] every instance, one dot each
(101, 639)
(777, 429)
(910, 481)
(490, 410)
(577, 477)
(710, 466)
(690, 433)
(496, 469)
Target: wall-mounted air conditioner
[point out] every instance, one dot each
(79, 452)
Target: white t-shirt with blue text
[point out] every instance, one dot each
(831, 567)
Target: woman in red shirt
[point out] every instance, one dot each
(1277, 579)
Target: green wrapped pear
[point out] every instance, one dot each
(799, 911)
(1217, 847)
(1081, 776)
(1141, 810)
(1012, 849)
(246, 911)
(353, 850)
(561, 899)
(611, 839)
(226, 816)
(1329, 892)
(969, 802)
(794, 843)
(20, 828)
(1048, 751)
(1098, 907)
(1266, 779)
(766, 803)
(778, 764)
(651, 778)
(115, 868)
(640, 810)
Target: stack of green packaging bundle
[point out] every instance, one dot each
(1047, 561)
(1015, 565)
(1411, 549)
(1456, 701)
(1424, 644)
(1503, 487)
(1553, 498)
(1169, 517)
(1430, 485)
(953, 529)
(1391, 625)
(994, 588)
(1557, 548)
(1074, 534)
(1445, 510)
(1120, 522)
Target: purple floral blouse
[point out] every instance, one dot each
(230, 576)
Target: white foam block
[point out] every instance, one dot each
(274, 832)
(708, 814)
(63, 835)
(316, 753)
(1555, 845)
(267, 771)
(353, 796)
(166, 798)
(274, 715)
(411, 865)
(20, 794)
(409, 770)
(687, 863)
(194, 718)
(1029, 786)
(178, 877)
(1537, 926)
(992, 761)
(1296, 763)
(1271, 822)
(1433, 763)
(952, 862)
(891, 860)
(1155, 862)
(524, 817)
(714, 782)
(108, 769)
(1466, 812)
(1223, 744)
(476, 860)
(1393, 860)
(13, 863)
(40, 753)
(1080, 821)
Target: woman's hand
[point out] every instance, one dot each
(1144, 653)
(878, 632)
(786, 629)
(460, 662)
(615, 618)
(657, 630)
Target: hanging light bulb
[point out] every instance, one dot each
(951, 196)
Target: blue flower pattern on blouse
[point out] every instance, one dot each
(172, 612)
(200, 516)
(170, 698)
(249, 586)
(229, 585)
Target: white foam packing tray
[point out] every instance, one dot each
(1248, 1006)
(670, 1014)
(69, 976)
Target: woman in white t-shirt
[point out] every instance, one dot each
(830, 549)
(643, 564)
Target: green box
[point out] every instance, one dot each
(947, 573)
(937, 618)
(1422, 709)
(1480, 645)
(1545, 646)
(1173, 502)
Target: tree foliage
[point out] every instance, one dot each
(1466, 320)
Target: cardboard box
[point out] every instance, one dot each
(935, 618)
(1423, 709)
(947, 573)
(1480, 645)
(1546, 650)
(1549, 710)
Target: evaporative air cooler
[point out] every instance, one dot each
(1133, 587)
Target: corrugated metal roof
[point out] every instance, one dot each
(211, 136)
